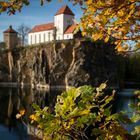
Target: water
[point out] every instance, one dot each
(14, 99)
(11, 101)
(124, 98)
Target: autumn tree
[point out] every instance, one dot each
(11, 6)
(23, 32)
(102, 19)
(116, 19)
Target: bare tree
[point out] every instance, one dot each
(23, 33)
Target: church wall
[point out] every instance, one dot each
(61, 22)
(40, 37)
(68, 36)
(58, 23)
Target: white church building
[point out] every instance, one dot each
(62, 28)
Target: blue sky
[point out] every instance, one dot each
(35, 14)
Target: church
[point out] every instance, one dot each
(62, 28)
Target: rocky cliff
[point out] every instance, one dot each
(65, 63)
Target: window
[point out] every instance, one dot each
(48, 36)
(44, 37)
(39, 38)
(35, 38)
(67, 36)
(31, 39)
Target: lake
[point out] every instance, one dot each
(14, 99)
(11, 101)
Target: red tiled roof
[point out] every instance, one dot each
(43, 27)
(70, 29)
(64, 10)
(10, 30)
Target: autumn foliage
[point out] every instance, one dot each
(115, 19)
(118, 20)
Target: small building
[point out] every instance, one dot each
(62, 28)
(10, 38)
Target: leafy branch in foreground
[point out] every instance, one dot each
(81, 113)
(136, 115)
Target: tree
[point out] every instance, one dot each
(11, 6)
(102, 19)
(117, 19)
(23, 32)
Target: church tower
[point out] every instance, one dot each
(62, 20)
(10, 38)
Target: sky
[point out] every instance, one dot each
(34, 14)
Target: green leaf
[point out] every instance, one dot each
(135, 118)
(97, 131)
(107, 111)
(36, 107)
(119, 137)
(137, 129)
(101, 87)
(124, 119)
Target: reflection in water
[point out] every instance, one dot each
(14, 99)
(11, 101)
(124, 98)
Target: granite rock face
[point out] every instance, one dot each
(93, 63)
(65, 63)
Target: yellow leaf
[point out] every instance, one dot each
(96, 36)
(119, 48)
(106, 39)
(40, 126)
(22, 112)
(83, 33)
(33, 117)
(18, 116)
